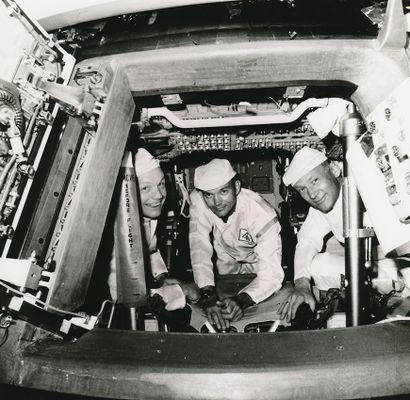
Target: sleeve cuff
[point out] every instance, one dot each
(244, 300)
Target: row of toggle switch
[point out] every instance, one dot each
(187, 144)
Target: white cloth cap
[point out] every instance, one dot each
(211, 176)
(144, 162)
(326, 119)
(303, 162)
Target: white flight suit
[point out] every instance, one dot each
(327, 267)
(249, 242)
(157, 264)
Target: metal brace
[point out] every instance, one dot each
(358, 233)
(76, 100)
(16, 143)
(22, 273)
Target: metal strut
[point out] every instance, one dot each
(351, 128)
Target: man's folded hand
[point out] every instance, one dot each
(302, 293)
(231, 310)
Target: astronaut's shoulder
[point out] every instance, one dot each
(255, 203)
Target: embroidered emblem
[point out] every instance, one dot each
(244, 236)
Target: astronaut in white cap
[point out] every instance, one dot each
(152, 193)
(318, 180)
(151, 185)
(243, 231)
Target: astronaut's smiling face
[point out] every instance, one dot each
(222, 200)
(152, 192)
(320, 187)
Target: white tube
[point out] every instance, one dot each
(282, 118)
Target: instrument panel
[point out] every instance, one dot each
(174, 144)
(235, 127)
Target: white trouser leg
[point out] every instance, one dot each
(392, 274)
(326, 269)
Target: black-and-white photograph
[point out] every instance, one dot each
(204, 200)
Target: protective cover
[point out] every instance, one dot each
(381, 167)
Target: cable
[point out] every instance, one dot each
(221, 113)
(6, 170)
(11, 289)
(275, 326)
(275, 102)
(103, 306)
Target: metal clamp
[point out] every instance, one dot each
(358, 233)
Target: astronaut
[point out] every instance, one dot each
(244, 233)
(152, 193)
(152, 190)
(151, 184)
(318, 181)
